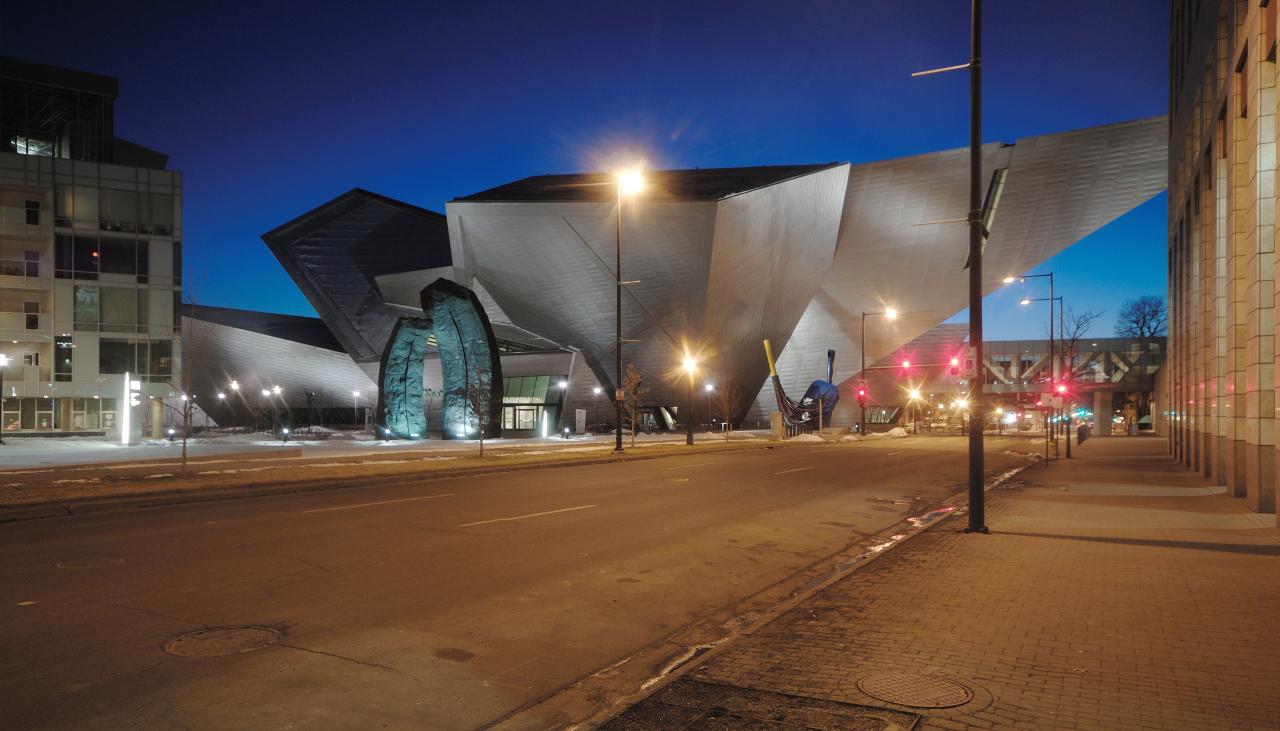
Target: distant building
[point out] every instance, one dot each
(1222, 243)
(90, 255)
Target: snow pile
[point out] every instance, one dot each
(897, 432)
(806, 438)
(851, 438)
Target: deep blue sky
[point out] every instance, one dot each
(270, 110)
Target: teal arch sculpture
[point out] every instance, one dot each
(469, 363)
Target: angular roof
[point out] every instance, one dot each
(335, 252)
(303, 330)
(660, 185)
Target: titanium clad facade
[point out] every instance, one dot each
(1045, 193)
(1222, 240)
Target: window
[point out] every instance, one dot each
(117, 209)
(1242, 82)
(31, 259)
(161, 358)
(144, 261)
(118, 256)
(62, 361)
(176, 317)
(117, 356)
(86, 307)
(32, 311)
(85, 259)
(177, 262)
(119, 309)
(33, 213)
(30, 359)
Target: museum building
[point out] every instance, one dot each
(714, 261)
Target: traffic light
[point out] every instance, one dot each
(862, 394)
(955, 366)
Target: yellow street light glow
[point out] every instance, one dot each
(1026, 302)
(631, 181)
(1008, 279)
(890, 313)
(914, 394)
(690, 364)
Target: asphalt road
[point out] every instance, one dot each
(438, 604)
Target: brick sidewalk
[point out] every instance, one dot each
(1117, 590)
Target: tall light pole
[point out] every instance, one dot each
(1050, 427)
(862, 371)
(355, 409)
(977, 232)
(235, 386)
(710, 388)
(4, 361)
(629, 182)
(690, 365)
(596, 391)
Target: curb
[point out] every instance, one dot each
(160, 499)
(264, 454)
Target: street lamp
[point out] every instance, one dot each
(915, 402)
(710, 388)
(222, 404)
(691, 366)
(355, 408)
(4, 361)
(235, 386)
(628, 182)
(596, 391)
(890, 313)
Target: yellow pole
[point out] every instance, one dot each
(769, 354)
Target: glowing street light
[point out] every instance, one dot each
(628, 182)
(890, 313)
(4, 361)
(597, 391)
(690, 368)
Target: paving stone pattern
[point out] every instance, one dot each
(1117, 591)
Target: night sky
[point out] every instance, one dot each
(272, 110)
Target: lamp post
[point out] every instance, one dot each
(355, 409)
(1053, 363)
(596, 391)
(4, 361)
(222, 404)
(915, 403)
(691, 366)
(977, 234)
(710, 388)
(862, 371)
(235, 386)
(629, 182)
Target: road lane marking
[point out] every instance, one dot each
(384, 502)
(799, 469)
(522, 517)
(893, 453)
(686, 466)
(25, 604)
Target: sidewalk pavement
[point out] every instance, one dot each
(1116, 591)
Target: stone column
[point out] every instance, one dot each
(157, 418)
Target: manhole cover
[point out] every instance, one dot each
(91, 563)
(916, 691)
(222, 641)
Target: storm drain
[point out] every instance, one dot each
(91, 563)
(915, 691)
(222, 641)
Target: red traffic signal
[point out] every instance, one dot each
(955, 366)
(862, 395)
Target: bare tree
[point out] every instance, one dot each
(481, 397)
(192, 343)
(632, 393)
(1142, 317)
(1074, 326)
(729, 401)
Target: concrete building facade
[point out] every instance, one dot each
(90, 256)
(1222, 242)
